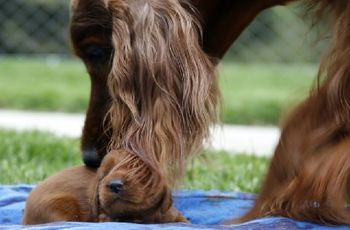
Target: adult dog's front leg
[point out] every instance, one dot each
(316, 191)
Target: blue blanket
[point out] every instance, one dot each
(205, 210)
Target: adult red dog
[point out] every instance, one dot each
(222, 21)
(309, 174)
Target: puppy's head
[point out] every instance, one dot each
(129, 191)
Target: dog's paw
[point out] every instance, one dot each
(104, 218)
(182, 219)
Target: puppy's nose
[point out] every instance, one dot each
(116, 186)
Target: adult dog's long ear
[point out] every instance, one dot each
(163, 85)
(120, 80)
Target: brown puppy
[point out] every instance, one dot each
(120, 190)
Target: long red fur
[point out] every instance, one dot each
(308, 178)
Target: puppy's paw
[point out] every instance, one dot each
(173, 215)
(104, 218)
(181, 218)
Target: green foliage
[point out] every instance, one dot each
(30, 157)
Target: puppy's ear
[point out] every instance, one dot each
(93, 199)
(167, 200)
(168, 213)
(107, 165)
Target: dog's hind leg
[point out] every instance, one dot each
(64, 208)
(53, 208)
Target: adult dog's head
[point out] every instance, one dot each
(151, 80)
(128, 190)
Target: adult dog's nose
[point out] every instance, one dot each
(116, 186)
(91, 158)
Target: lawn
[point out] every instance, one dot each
(252, 93)
(43, 84)
(262, 93)
(31, 156)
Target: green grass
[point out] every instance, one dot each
(262, 93)
(30, 157)
(226, 172)
(43, 84)
(252, 93)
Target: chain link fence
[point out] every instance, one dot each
(40, 27)
(281, 34)
(29, 27)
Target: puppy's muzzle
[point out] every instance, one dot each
(116, 186)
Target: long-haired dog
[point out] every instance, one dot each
(162, 88)
(91, 34)
(120, 190)
(308, 178)
(310, 167)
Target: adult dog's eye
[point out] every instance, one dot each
(96, 53)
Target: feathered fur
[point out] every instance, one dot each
(308, 177)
